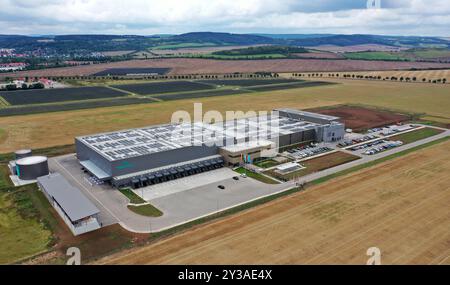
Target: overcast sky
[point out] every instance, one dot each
(145, 17)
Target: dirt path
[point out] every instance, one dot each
(400, 206)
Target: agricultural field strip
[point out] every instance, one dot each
(261, 227)
(120, 90)
(443, 257)
(360, 236)
(72, 106)
(191, 95)
(333, 197)
(426, 221)
(229, 91)
(212, 86)
(163, 87)
(356, 237)
(44, 96)
(367, 184)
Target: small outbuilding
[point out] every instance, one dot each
(77, 211)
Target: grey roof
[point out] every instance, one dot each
(69, 198)
(310, 115)
(142, 141)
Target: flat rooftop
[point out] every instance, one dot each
(142, 141)
(311, 115)
(70, 199)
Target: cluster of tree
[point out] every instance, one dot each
(160, 77)
(372, 77)
(261, 50)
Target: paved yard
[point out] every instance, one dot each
(183, 184)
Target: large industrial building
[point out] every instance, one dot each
(151, 155)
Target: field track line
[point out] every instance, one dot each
(382, 224)
(406, 169)
(121, 90)
(409, 253)
(3, 102)
(446, 256)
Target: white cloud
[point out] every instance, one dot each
(423, 17)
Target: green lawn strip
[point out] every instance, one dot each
(256, 176)
(416, 135)
(374, 55)
(134, 199)
(146, 210)
(23, 230)
(375, 162)
(267, 163)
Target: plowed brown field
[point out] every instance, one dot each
(400, 206)
(208, 66)
(358, 118)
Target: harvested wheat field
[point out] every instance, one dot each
(400, 206)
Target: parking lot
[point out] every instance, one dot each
(375, 147)
(307, 151)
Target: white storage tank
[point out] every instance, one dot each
(22, 153)
(32, 167)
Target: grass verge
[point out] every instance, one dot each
(416, 135)
(267, 163)
(23, 231)
(256, 176)
(134, 199)
(146, 210)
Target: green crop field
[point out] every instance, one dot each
(22, 233)
(416, 135)
(374, 55)
(184, 45)
(412, 54)
(253, 56)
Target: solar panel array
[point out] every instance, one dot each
(139, 142)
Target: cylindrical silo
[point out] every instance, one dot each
(32, 167)
(22, 153)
